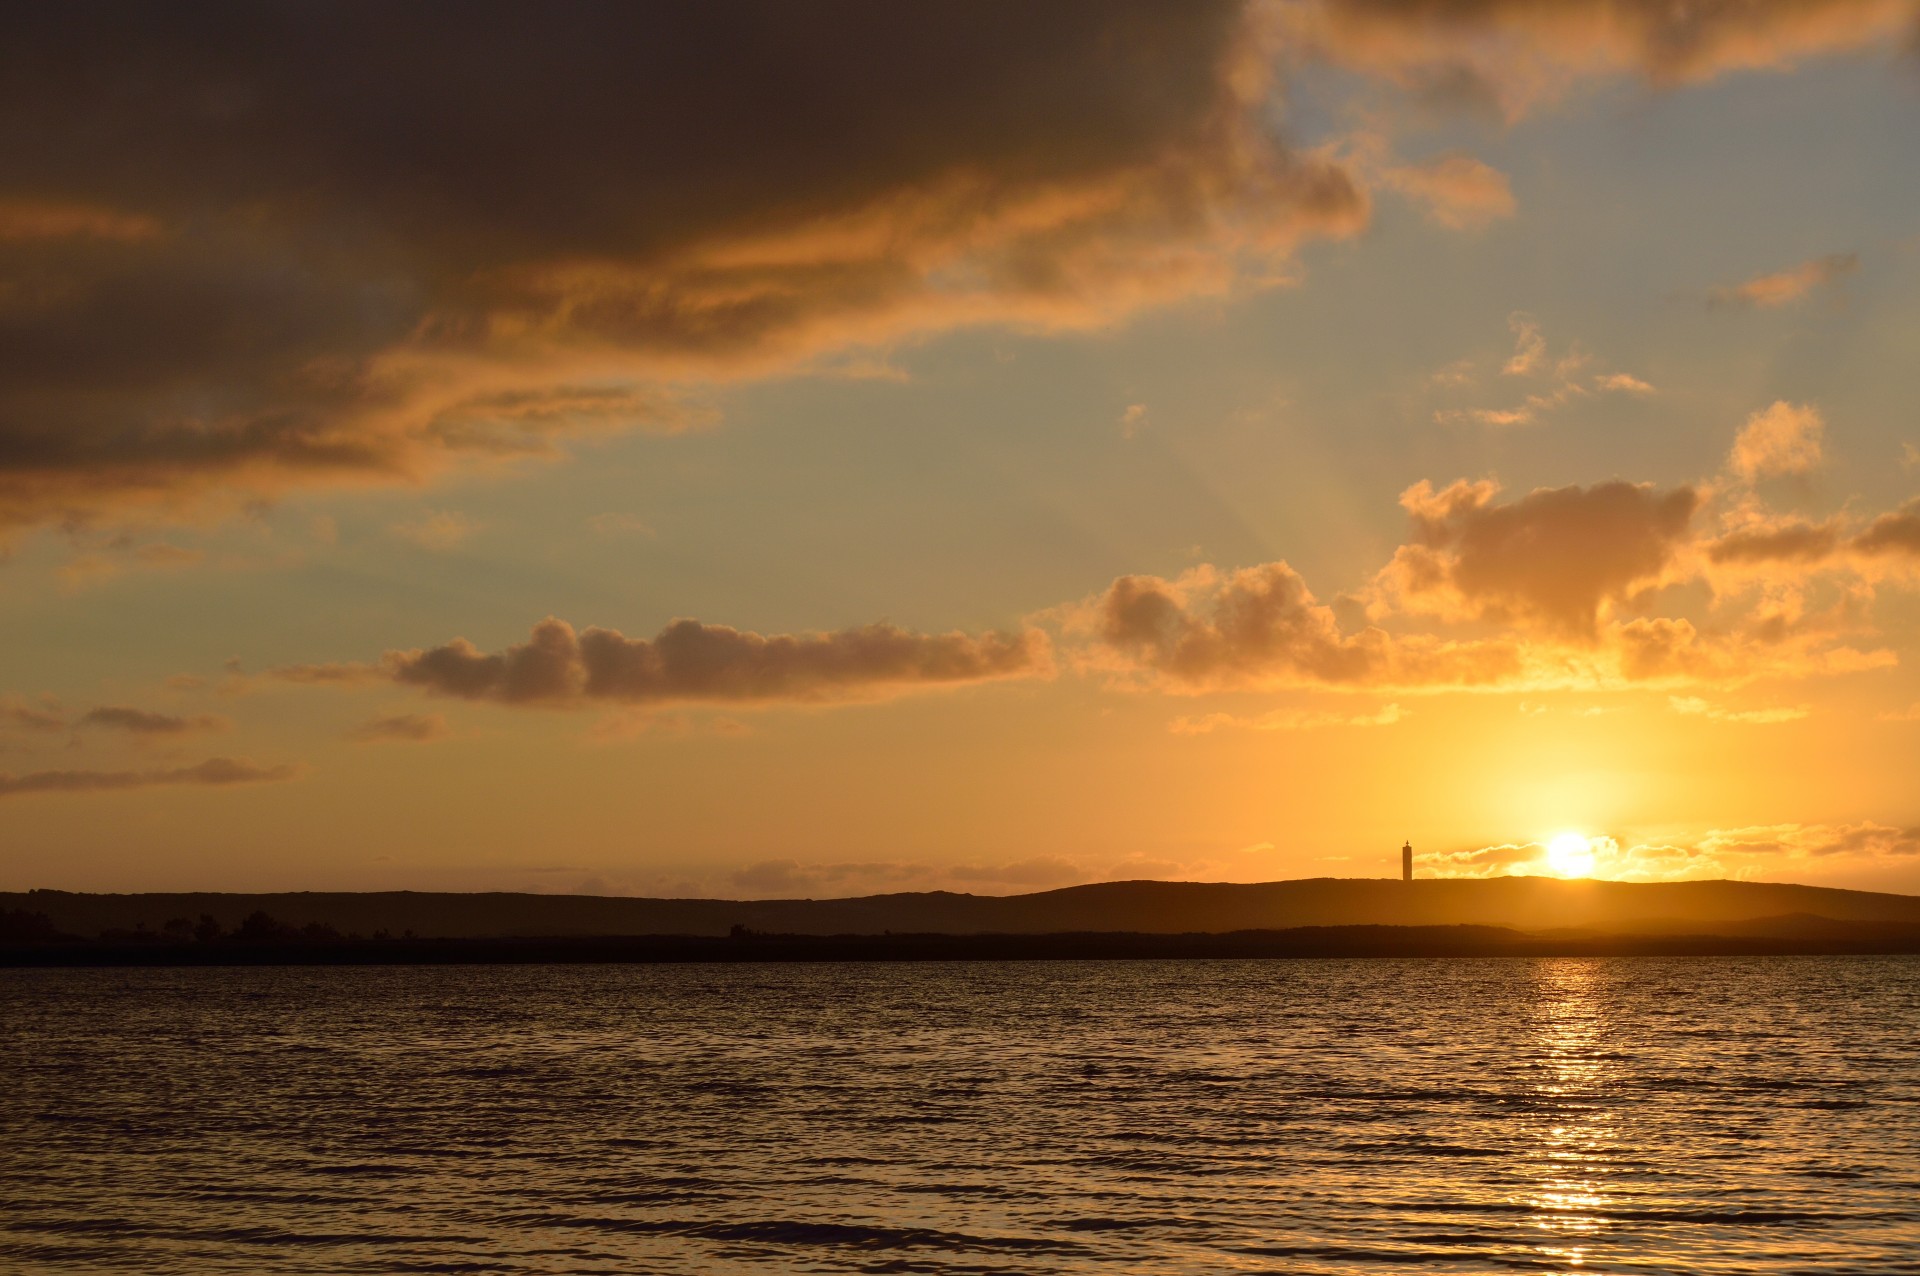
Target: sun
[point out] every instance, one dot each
(1570, 855)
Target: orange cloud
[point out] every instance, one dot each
(1783, 438)
(1768, 291)
(1558, 558)
(1757, 852)
(1511, 56)
(1459, 191)
(1261, 627)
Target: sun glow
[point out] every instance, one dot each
(1570, 855)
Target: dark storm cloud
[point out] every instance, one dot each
(246, 246)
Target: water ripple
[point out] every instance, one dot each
(1740, 1115)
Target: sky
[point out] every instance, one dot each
(764, 450)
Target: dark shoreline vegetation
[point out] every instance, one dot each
(1319, 917)
(262, 942)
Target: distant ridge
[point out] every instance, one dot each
(1528, 904)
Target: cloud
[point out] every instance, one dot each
(1043, 870)
(405, 728)
(321, 246)
(1286, 720)
(790, 878)
(1261, 627)
(1622, 383)
(1458, 191)
(439, 531)
(1557, 558)
(214, 771)
(1569, 383)
(32, 219)
(345, 673)
(1512, 56)
(1768, 291)
(1760, 851)
(1133, 420)
(1693, 706)
(1894, 534)
(1783, 438)
(1529, 347)
(146, 723)
(45, 716)
(1792, 541)
(691, 661)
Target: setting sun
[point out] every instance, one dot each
(1571, 855)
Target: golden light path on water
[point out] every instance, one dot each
(1575, 1140)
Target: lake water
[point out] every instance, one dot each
(1621, 1115)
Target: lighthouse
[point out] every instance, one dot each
(1406, 862)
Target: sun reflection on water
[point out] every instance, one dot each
(1576, 1138)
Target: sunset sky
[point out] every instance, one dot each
(807, 450)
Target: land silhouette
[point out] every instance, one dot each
(1331, 916)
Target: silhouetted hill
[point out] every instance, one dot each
(1531, 904)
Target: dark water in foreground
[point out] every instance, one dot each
(1700, 1115)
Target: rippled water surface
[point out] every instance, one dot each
(1717, 1115)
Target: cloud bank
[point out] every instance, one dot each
(691, 662)
(218, 772)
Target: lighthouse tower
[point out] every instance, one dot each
(1406, 862)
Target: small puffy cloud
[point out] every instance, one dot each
(1783, 438)
(143, 722)
(402, 728)
(1529, 346)
(1569, 381)
(214, 771)
(439, 530)
(1768, 291)
(1622, 383)
(1558, 558)
(691, 661)
(1458, 191)
(1133, 420)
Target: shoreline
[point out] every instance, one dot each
(1299, 943)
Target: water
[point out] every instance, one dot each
(1627, 1115)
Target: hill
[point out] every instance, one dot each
(1528, 904)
